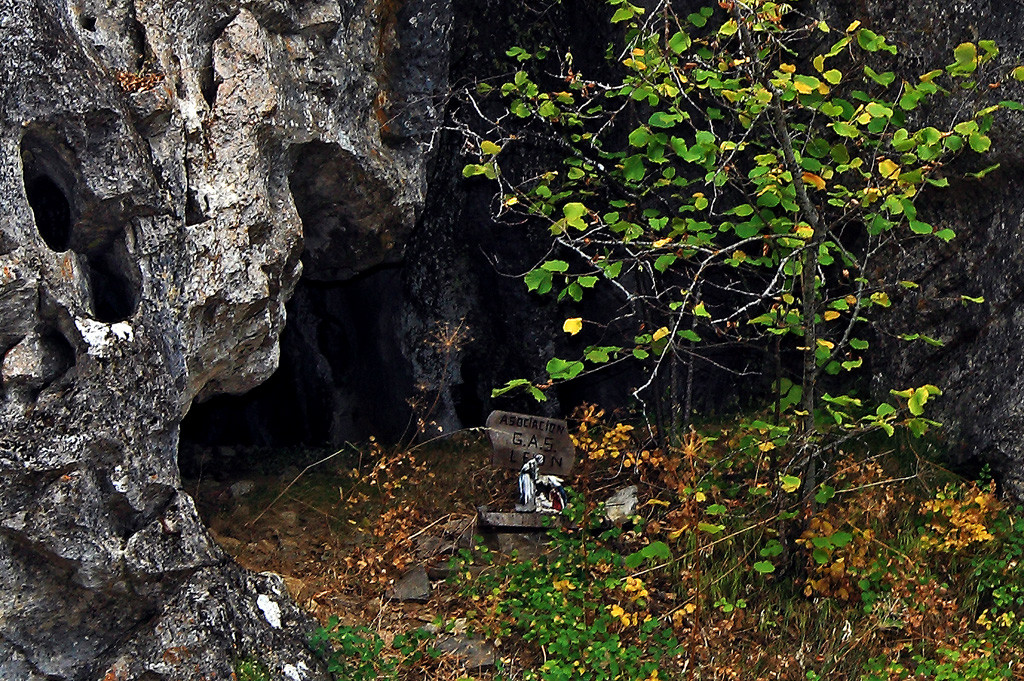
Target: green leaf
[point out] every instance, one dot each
(869, 40)
(660, 119)
(764, 567)
(633, 168)
(656, 551)
(560, 369)
(710, 528)
(574, 213)
(979, 143)
(820, 556)
(697, 20)
(790, 483)
(917, 401)
(555, 266)
(716, 509)
(639, 137)
(624, 13)
(965, 53)
(664, 261)
(832, 76)
(538, 280)
(885, 409)
(679, 42)
(845, 129)
(824, 493)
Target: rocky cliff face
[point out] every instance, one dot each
(163, 165)
(980, 367)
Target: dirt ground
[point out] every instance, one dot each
(341, 531)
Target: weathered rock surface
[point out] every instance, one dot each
(980, 367)
(162, 165)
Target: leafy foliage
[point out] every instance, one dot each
(722, 572)
(738, 179)
(360, 654)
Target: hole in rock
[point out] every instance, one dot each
(342, 377)
(87, 22)
(52, 211)
(68, 216)
(114, 294)
(194, 214)
(208, 84)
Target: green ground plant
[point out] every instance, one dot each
(358, 653)
(900, 574)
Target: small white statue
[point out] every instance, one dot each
(528, 484)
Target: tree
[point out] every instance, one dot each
(743, 178)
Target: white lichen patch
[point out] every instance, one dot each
(295, 673)
(271, 610)
(101, 337)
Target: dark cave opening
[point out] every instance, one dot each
(52, 211)
(341, 377)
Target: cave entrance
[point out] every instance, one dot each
(342, 377)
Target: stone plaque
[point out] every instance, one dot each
(517, 438)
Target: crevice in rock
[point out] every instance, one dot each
(207, 82)
(349, 216)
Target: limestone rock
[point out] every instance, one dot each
(414, 585)
(161, 169)
(621, 505)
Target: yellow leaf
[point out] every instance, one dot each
(853, 27)
(803, 88)
(661, 333)
(804, 231)
(699, 496)
(572, 326)
(638, 52)
(830, 315)
(819, 63)
(816, 180)
(826, 343)
(787, 68)
(489, 147)
(889, 169)
(661, 242)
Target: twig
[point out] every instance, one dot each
(444, 517)
(295, 480)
